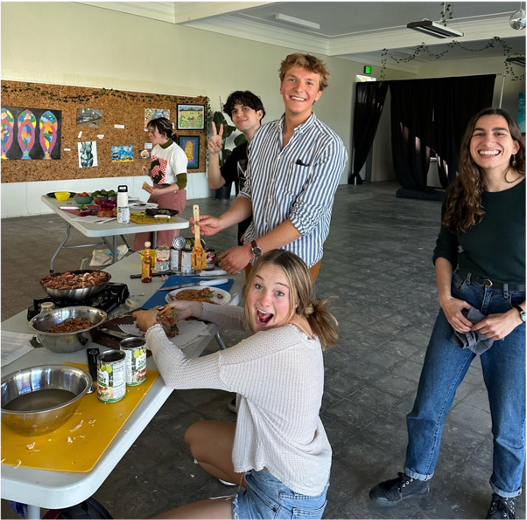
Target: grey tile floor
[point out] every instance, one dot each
(377, 260)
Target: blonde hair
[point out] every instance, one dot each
(301, 301)
(308, 62)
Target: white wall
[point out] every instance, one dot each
(95, 47)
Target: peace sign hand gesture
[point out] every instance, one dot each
(216, 140)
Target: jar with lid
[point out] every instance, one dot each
(146, 263)
(46, 307)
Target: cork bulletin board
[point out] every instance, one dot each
(118, 123)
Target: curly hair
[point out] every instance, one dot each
(308, 62)
(243, 97)
(463, 206)
(302, 301)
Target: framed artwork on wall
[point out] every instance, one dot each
(190, 145)
(190, 117)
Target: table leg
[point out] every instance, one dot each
(154, 239)
(68, 229)
(220, 341)
(33, 512)
(114, 249)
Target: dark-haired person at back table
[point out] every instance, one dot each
(484, 214)
(168, 171)
(294, 169)
(246, 112)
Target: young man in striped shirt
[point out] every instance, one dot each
(294, 168)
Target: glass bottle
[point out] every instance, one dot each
(146, 263)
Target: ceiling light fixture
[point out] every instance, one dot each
(435, 29)
(517, 60)
(517, 20)
(296, 21)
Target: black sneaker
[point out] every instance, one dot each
(232, 405)
(390, 492)
(502, 507)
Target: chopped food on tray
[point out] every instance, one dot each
(196, 295)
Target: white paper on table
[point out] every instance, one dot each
(189, 332)
(94, 219)
(14, 346)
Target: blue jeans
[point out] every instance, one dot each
(445, 367)
(267, 497)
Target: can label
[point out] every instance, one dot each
(175, 262)
(186, 261)
(135, 350)
(162, 259)
(111, 376)
(123, 215)
(211, 259)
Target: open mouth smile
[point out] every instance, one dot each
(263, 318)
(489, 153)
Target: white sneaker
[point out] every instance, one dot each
(232, 405)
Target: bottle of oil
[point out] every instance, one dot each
(146, 263)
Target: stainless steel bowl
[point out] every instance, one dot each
(42, 398)
(65, 342)
(76, 294)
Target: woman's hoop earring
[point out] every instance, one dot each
(514, 161)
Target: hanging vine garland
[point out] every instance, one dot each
(424, 48)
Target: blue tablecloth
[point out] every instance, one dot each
(159, 297)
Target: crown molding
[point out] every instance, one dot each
(161, 11)
(400, 38)
(262, 33)
(189, 11)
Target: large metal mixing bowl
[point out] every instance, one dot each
(76, 294)
(42, 398)
(65, 342)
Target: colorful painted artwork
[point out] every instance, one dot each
(191, 117)
(7, 131)
(48, 133)
(154, 113)
(31, 133)
(190, 145)
(123, 153)
(145, 154)
(27, 123)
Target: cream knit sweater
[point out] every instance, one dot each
(279, 376)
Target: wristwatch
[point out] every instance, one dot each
(521, 311)
(256, 251)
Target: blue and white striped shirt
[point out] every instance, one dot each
(297, 182)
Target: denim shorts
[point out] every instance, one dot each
(267, 497)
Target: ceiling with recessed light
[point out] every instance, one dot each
(356, 31)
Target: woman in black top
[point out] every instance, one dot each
(484, 214)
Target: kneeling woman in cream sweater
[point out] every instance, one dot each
(278, 451)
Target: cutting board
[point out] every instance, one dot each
(150, 220)
(72, 447)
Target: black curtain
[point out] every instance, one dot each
(411, 117)
(456, 100)
(369, 102)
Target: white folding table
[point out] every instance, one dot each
(111, 228)
(57, 489)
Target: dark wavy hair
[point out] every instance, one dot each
(308, 62)
(243, 97)
(302, 300)
(162, 125)
(463, 207)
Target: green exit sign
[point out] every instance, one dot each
(367, 69)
